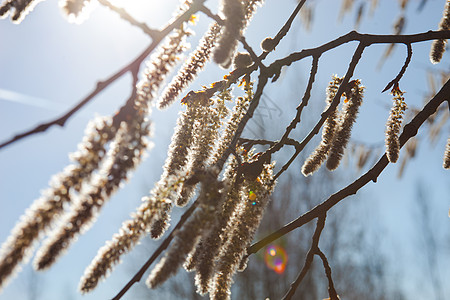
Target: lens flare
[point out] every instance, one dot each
(276, 258)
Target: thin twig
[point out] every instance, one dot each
(251, 142)
(409, 131)
(285, 29)
(368, 39)
(402, 71)
(262, 81)
(263, 77)
(303, 104)
(331, 290)
(351, 68)
(250, 51)
(248, 143)
(309, 257)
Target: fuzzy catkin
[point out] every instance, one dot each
(203, 135)
(255, 195)
(343, 131)
(206, 133)
(176, 161)
(202, 259)
(128, 236)
(189, 70)
(316, 159)
(239, 111)
(233, 11)
(161, 63)
(438, 46)
(125, 154)
(446, 163)
(394, 124)
(185, 240)
(199, 57)
(187, 237)
(50, 205)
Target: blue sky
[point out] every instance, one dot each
(48, 65)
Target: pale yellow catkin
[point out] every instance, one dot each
(50, 205)
(316, 159)
(393, 126)
(350, 111)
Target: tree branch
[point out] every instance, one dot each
(248, 143)
(309, 257)
(409, 131)
(303, 104)
(402, 71)
(331, 290)
(285, 29)
(337, 98)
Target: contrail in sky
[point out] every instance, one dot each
(11, 96)
(7, 95)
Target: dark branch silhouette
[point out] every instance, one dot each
(409, 131)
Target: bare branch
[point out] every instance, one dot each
(303, 104)
(402, 71)
(326, 265)
(285, 29)
(309, 257)
(352, 36)
(351, 68)
(248, 143)
(409, 131)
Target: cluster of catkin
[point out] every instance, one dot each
(219, 40)
(197, 143)
(114, 146)
(110, 150)
(337, 126)
(213, 243)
